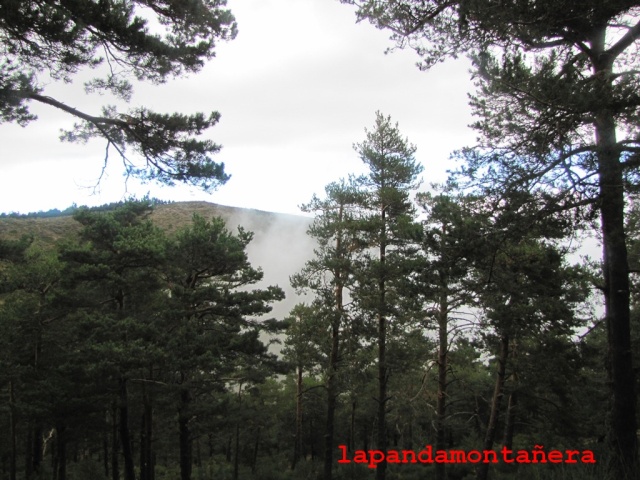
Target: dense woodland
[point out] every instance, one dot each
(131, 351)
(458, 316)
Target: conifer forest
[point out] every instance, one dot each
(486, 327)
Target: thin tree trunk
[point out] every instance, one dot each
(146, 465)
(143, 447)
(236, 458)
(256, 445)
(14, 434)
(622, 430)
(482, 472)
(228, 452)
(34, 449)
(443, 347)
(28, 453)
(352, 426)
(236, 453)
(105, 444)
(298, 432)
(37, 445)
(54, 456)
(146, 432)
(125, 436)
(382, 359)
(331, 402)
(198, 457)
(512, 404)
(365, 437)
(509, 428)
(115, 444)
(382, 395)
(312, 443)
(185, 436)
(332, 386)
(61, 453)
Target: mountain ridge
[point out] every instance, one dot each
(169, 216)
(280, 245)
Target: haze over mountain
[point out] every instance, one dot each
(280, 245)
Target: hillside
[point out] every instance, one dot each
(280, 245)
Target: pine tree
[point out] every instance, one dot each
(557, 107)
(385, 229)
(32, 348)
(303, 350)
(329, 276)
(443, 282)
(527, 290)
(214, 335)
(114, 281)
(148, 41)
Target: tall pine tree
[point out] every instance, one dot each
(385, 229)
(557, 107)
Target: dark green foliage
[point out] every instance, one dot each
(13, 250)
(129, 350)
(386, 230)
(120, 331)
(149, 41)
(557, 107)
(126, 322)
(55, 212)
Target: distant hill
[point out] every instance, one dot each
(280, 245)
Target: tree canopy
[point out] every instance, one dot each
(557, 107)
(134, 347)
(149, 41)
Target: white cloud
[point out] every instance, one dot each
(296, 89)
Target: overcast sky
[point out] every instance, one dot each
(296, 89)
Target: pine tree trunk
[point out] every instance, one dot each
(115, 444)
(331, 403)
(236, 453)
(146, 432)
(382, 396)
(185, 435)
(61, 453)
(34, 448)
(198, 457)
(105, 444)
(509, 428)
(143, 448)
(13, 422)
(365, 437)
(256, 445)
(228, 452)
(443, 346)
(352, 426)
(622, 430)
(298, 433)
(382, 359)
(125, 436)
(312, 443)
(512, 404)
(54, 457)
(36, 456)
(482, 472)
(28, 454)
(333, 367)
